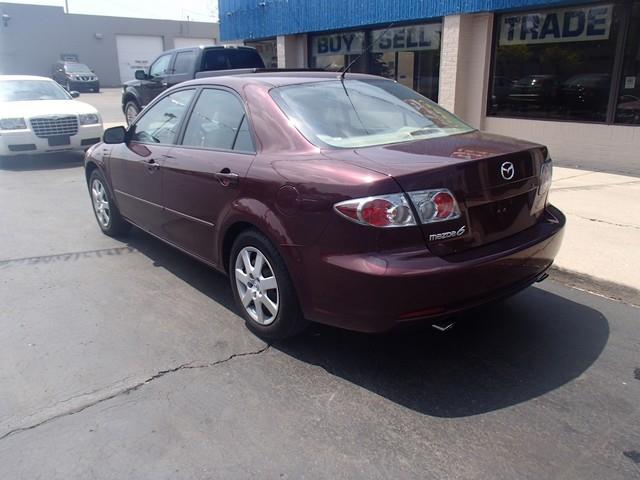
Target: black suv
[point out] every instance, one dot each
(75, 76)
(179, 65)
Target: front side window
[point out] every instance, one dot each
(362, 113)
(555, 64)
(218, 121)
(160, 123)
(160, 66)
(24, 90)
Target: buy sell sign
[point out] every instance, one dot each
(411, 37)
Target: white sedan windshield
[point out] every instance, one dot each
(26, 90)
(361, 113)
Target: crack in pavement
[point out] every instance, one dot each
(597, 220)
(69, 256)
(595, 187)
(125, 391)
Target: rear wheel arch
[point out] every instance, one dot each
(229, 238)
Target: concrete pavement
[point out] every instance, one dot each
(124, 359)
(602, 238)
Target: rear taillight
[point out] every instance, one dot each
(546, 173)
(394, 210)
(435, 205)
(383, 211)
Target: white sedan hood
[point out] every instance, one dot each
(35, 108)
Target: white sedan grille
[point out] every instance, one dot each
(45, 127)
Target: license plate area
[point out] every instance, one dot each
(59, 140)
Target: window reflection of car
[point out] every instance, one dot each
(628, 110)
(534, 91)
(587, 91)
(500, 93)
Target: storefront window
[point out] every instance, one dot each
(555, 64)
(267, 50)
(335, 51)
(409, 54)
(628, 102)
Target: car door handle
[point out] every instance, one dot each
(152, 165)
(226, 178)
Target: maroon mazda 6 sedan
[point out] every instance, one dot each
(352, 201)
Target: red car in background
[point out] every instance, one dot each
(346, 200)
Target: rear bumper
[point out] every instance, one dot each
(379, 291)
(17, 142)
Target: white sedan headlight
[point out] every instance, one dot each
(12, 124)
(89, 118)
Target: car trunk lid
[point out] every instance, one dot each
(493, 178)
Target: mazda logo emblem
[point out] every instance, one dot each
(507, 170)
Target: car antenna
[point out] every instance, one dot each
(344, 70)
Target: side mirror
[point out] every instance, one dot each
(140, 75)
(74, 94)
(115, 135)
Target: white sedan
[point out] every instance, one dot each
(38, 116)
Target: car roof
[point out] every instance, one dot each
(23, 77)
(230, 48)
(277, 79)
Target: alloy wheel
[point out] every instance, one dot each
(257, 285)
(100, 203)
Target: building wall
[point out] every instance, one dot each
(586, 144)
(251, 19)
(36, 36)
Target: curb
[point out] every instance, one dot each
(596, 286)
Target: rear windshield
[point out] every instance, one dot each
(228, 58)
(362, 113)
(25, 90)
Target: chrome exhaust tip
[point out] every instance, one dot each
(542, 277)
(444, 325)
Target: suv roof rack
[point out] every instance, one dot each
(243, 71)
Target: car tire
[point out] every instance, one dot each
(107, 214)
(262, 290)
(130, 107)
(67, 86)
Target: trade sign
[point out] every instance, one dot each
(347, 43)
(578, 24)
(411, 37)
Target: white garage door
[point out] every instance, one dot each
(184, 42)
(136, 52)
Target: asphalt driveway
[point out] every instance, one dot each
(126, 359)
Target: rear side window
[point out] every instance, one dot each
(184, 62)
(223, 59)
(218, 122)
